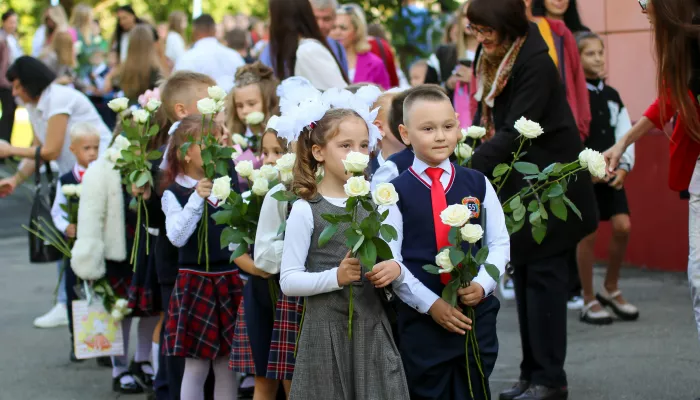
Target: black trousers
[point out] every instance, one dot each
(69, 282)
(541, 293)
(8, 113)
(574, 279)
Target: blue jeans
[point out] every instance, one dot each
(62, 298)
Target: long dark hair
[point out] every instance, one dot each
(676, 39)
(290, 19)
(571, 17)
(119, 31)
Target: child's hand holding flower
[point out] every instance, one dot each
(204, 188)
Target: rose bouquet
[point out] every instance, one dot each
(462, 260)
(215, 158)
(130, 155)
(366, 237)
(463, 151)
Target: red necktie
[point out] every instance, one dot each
(439, 201)
(80, 174)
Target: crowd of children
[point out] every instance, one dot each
(202, 325)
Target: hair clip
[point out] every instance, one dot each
(173, 128)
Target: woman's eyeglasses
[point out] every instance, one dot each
(643, 4)
(483, 31)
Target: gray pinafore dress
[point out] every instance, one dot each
(329, 365)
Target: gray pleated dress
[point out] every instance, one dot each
(329, 365)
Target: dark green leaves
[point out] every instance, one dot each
(558, 208)
(327, 234)
(388, 232)
(431, 269)
(500, 169)
(368, 253)
(284, 195)
(526, 168)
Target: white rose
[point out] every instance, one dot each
(117, 315)
(113, 155)
(527, 128)
(357, 186)
(68, 190)
(220, 106)
(221, 188)
(385, 195)
(286, 176)
(121, 304)
(118, 105)
(244, 168)
(216, 93)
(260, 187)
(356, 162)
(443, 261)
(594, 161)
(286, 162)
(269, 172)
(455, 215)
(463, 151)
(239, 140)
(207, 106)
(78, 190)
(153, 105)
(472, 233)
(121, 143)
(140, 116)
(255, 118)
(256, 175)
(475, 132)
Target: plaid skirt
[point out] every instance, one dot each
(241, 359)
(284, 337)
(202, 315)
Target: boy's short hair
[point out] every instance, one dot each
(396, 114)
(178, 89)
(425, 93)
(82, 130)
(237, 39)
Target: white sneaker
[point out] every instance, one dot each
(576, 303)
(506, 287)
(57, 316)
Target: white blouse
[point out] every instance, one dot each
(296, 281)
(317, 64)
(269, 242)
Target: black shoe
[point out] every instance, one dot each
(136, 369)
(126, 388)
(73, 358)
(517, 389)
(104, 362)
(539, 392)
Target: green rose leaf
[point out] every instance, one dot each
(456, 256)
(431, 269)
(558, 208)
(556, 190)
(515, 203)
(388, 232)
(493, 272)
(327, 234)
(222, 217)
(500, 169)
(526, 168)
(282, 228)
(482, 255)
(453, 236)
(222, 167)
(368, 254)
(533, 206)
(519, 213)
(543, 212)
(284, 195)
(383, 250)
(573, 207)
(142, 179)
(240, 250)
(449, 293)
(538, 232)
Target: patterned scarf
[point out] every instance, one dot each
(493, 74)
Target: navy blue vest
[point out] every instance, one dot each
(68, 178)
(403, 159)
(189, 253)
(373, 165)
(419, 246)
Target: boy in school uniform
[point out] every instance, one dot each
(434, 353)
(85, 145)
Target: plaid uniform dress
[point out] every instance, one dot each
(202, 315)
(241, 359)
(284, 337)
(144, 290)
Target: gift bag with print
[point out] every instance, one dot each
(96, 332)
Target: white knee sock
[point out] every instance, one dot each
(120, 364)
(154, 357)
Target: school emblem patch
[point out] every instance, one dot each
(473, 204)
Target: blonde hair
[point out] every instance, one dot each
(81, 19)
(384, 104)
(179, 89)
(59, 17)
(82, 130)
(306, 166)
(359, 22)
(175, 22)
(63, 46)
(136, 71)
(463, 35)
(253, 74)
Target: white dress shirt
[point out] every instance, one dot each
(58, 216)
(317, 64)
(296, 281)
(58, 99)
(269, 241)
(181, 222)
(496, 235)
(386, 172)
(209, 57)
(174, 46)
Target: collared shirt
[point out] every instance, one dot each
(209, 57)
(58, 99)
(495, 233)
(60, 217)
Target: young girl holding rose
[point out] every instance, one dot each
(203, 305)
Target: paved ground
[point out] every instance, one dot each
(656, 358)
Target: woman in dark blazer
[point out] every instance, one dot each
(513, 57)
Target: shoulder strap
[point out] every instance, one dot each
(380, 45)
(37, 172)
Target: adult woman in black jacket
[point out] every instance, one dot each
(513, 58)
